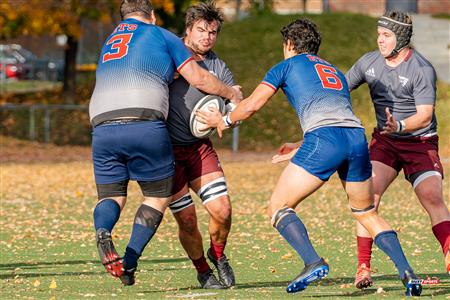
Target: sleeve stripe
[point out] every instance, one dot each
(184, 63)
(269, 85)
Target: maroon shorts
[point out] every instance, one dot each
(414, 154)
(194, 161)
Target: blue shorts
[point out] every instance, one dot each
(138, 151)
(329, 149)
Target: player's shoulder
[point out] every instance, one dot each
(370, 57)
(420, 60)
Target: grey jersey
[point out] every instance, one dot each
(183, 97)
(411, 83)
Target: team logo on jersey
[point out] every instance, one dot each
(403, 80)
(370, 72)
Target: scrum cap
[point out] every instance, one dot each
(401, 25)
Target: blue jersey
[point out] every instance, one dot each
(316, 89)
(134, 71)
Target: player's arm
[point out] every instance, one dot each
(208, 83)
(244, 110)
(419, 120)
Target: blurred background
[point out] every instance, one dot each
(49, 50)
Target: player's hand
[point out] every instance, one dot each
(391, 124)
(221, 127)
(212, 117)
(237, 94)
(286, 152)
(238, 89)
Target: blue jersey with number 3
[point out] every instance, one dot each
(316, 89)
(136, 66)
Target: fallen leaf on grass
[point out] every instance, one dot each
(36, 283)
(53, 285)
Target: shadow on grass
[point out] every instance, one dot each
(12, 272)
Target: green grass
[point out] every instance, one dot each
(250, 47)
(27, 86)
(48, 248)
(441, 16)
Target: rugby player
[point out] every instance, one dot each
(128, 109)
(334, 140)
(402, 85)
(197, 165)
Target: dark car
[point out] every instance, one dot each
(18, 62)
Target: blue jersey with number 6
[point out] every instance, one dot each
(316, 89)
(136, 65)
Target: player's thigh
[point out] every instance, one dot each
(158, 203)
(360, 193)
(294, 185)
(220, 209)
(202, 165)
(150, 158)
(383, 175)
(429, 191)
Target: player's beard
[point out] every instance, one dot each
(199, 49)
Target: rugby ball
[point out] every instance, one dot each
(199, 129)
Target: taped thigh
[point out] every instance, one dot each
(181, 203)
(213, 190)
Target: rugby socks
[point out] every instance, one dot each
(146, 223)
(200, 264)
(217, 249)
(388, 242)
(294, 232)
(364, 250)
(106, 214)
(442, 233)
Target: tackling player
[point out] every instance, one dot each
(128, 109)
(334, 140)
(196, 163)
(402, 85)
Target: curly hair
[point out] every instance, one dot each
(304, 36)
(204, 11)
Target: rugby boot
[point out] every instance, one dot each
(412, 283)
(209, 281)
(224, 270)
(127, 277)
(108, 254)
(309, 274)
(362, 278)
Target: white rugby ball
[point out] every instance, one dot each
(199, 129)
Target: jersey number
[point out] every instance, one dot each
(119, 47)
(328, 77)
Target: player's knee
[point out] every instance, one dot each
(280, 214)
(188, 223)
(223, 215)
(362, 213)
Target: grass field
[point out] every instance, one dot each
(48, 250)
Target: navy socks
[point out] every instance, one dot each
(388, 242)
(106, 214)
(294, 232)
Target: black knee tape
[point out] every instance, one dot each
(280, 214)
(117, 189)
(360, 211)
(160, 188)
(148, 216)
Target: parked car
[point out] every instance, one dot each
(18, 62)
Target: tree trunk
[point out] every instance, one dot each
(70, 55)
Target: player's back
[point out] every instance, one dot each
(135, 67)
(317, 90)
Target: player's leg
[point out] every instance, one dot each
(206, 178)
(213, 192)
(316, 160)
(151, 164)
(429, 192)
(424, 170)
(183, 209)
(357, 182)
(111, 177)
(385, 170)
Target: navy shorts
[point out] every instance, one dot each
(329, 149)
(138, 151)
